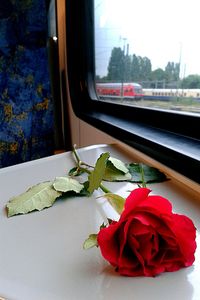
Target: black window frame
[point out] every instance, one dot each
(170, 137)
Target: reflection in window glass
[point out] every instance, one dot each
(147, 53)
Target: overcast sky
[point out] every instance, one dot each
(160, 30)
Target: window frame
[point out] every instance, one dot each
(169, 137)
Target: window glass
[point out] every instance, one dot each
(149, 51)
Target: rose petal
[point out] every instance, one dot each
(185, 233)
(126, 255)
(133, 200)
(109, 243)
(147, 218)
(157, 205)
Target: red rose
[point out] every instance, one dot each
(148, 238)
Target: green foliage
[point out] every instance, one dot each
(66, 184)
(114, 173)
(116, 65)
(90, 242)
(128, 68)
(172, 71)
(76, 171)
(118, 164)
(140, 68)
(37, 197)
(191, 82)
(151, 174)
(84, 191)
(96, 176)
(133, 68)
(158, 74)
(116, 201)
(107, 168)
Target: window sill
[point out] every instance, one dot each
(175, 151)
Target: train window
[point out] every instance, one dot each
(103, 48)
(143, 58)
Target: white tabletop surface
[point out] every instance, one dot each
(41, 254)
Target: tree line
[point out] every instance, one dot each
(132, 68)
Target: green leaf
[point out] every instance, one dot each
(76, 171)
(151, 174)
(118, 164)
(103, 225)
(84, 191)
(96, 176)
(116, 201)
(90, 242)
(65, 184)
(37, 197)
(114, 174)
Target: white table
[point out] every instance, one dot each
(41, 255)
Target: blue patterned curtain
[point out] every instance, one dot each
(26, 106)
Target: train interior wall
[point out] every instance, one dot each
(81, 133)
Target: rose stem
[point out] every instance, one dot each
(142, 176)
